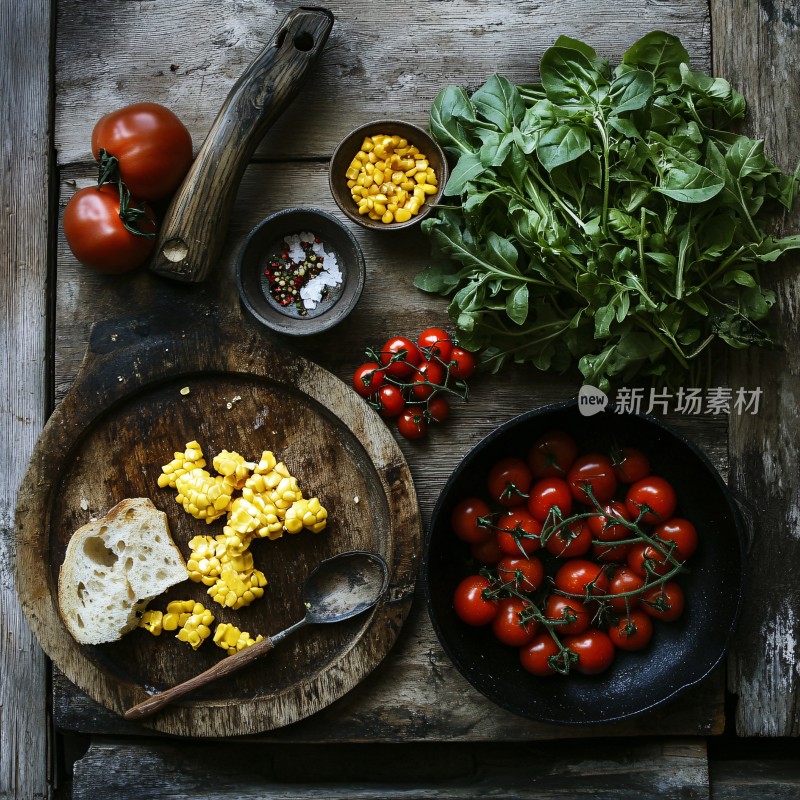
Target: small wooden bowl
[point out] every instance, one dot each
(351, 144)
(261, 244)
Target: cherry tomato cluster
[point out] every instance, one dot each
(579, 552)
(144, 152)
(412, 381)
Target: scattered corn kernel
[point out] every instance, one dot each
(151, 621)
(238, 589)
(384, 166)
(232, 640)
(196, 627)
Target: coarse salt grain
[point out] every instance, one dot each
(329, 278)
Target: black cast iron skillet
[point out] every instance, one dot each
(680, 654)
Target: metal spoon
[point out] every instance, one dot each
(336, 589)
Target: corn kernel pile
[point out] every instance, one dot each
(389, 179)
(261, 500)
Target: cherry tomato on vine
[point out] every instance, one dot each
(462, 364)
(511, 529)
(682, 533)
(624, 580)
(97, 236)
(633, 632)
(469, 603)
(509, 482)
(552, 454)
(391, 401)
(428, 372)
(630, 465)
(508, 627)
(406, 354)
(654, 495)
(547, 493)
(438, 409)
(596, 472)
(465, 519)
(642, 555)
(579, 576)
(604, 529)
(527, 573)
(411, 424)
(665, 602)
(535, 656)
(487, 552)
(570, 540)
(594, 648)
(368, 378)
(573, 615)
(153, 148)
(437, 342)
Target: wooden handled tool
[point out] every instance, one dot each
(193, 230)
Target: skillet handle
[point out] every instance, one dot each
(193, 230)
(219, 670)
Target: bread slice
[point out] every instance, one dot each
(114, 567)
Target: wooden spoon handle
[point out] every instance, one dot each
(193, 230)
(220, 670)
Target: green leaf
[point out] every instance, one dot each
(562, 144)
(437, 278)
(661, 54)
(571, 79)
(576, 44)
(499, 102)
(450, 111)
(468, 168)
(517, 304)
(739, 276)
(495, 148)
(631, 91)
(708, 92)
(602, 321)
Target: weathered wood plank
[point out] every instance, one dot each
(634, 771)
(25, 151)
(755, 47)
(376, 65)
(417, 693)
(755, 779)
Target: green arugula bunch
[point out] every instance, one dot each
(602, 218)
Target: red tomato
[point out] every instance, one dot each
(630, 465)
(665, 602)
(400, 355)
(646, 561)
(152, 145)
(596, 472)
(624, 580)
(509, 482)
(462, 364)
(654, 496)
(469, 603)
(547, 493)
(512, 530)
(368, 378)
(430, 372)
(552, 455)
(574, 613)
(465, 520)
(391, 401)
(437, 342)
(633, 632)
(604, 529)
(570, 540)
(682, 533)
(411, 424)
(527, 573)
(97, 236)
(594, 648)
(438, 409)
(579, 577)
(487, 552)
(508, 627)
(536, 656)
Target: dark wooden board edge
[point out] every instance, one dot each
(196, 350)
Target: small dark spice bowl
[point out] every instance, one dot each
(351, 145)
(300, 272)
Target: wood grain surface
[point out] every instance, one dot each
(106, 442)
(25, 220)
(756, 47)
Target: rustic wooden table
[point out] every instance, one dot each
(66, 64)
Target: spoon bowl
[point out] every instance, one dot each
(335, 590)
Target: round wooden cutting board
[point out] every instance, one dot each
(121, 421)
